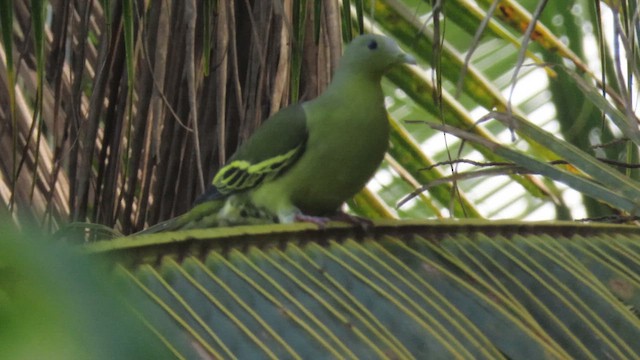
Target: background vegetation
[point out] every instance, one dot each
(119, 112)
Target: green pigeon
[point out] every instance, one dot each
(306, 160)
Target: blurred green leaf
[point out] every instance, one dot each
(56, 303)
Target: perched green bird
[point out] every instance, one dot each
(306, 160)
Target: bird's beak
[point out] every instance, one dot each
(408, 59)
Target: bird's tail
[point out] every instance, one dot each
(203, 215)
(231, 211)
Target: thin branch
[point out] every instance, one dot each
(474, 45)
(190, 19)
(522, 53)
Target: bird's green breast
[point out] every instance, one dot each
(348, 137)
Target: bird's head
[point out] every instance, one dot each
(374, 54)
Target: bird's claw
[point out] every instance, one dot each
(320, 221)
(363, 223)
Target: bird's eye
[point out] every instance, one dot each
(372, 45)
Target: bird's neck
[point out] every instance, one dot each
(345, 75)
(347, 85)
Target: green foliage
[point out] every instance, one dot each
(55, 303)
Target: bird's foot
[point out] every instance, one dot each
(322, 221)
(359, 221)
(318, 220)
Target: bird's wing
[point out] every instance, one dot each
(275, 146)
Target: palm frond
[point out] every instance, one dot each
(410, 289)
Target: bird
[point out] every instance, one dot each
(306, 160)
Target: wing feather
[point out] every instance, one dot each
(274, 147)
